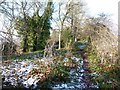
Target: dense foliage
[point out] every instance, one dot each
(35, 30)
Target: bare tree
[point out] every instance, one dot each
(70, 14)
(102, 39)
(11, 11)
(62, 20)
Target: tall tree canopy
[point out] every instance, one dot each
(35, 30)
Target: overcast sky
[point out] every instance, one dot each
(95, 7)
(109, 7)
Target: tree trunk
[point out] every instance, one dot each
(59, 39)
(25, 45)
(34, 41)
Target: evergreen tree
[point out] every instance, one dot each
(46, 25)
(22, 26)
(35, 30)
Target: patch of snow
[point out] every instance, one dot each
(81, 62)
(72, 71)
(82, 70)
(76, 74)
(81, 75)
(71, 87)
(23, 62)
(25, 83)
(80, 79)
(22, 70)
(30, 81)
(66, 59)
(75, 58)
(82, 46)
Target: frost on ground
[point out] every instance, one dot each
(19, 73)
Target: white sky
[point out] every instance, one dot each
(95, 7)
(109, 7)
